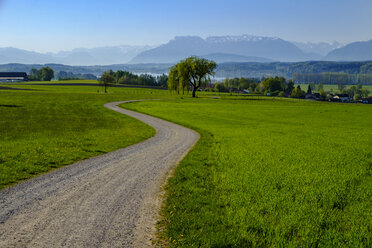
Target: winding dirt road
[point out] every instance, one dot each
(106, 201)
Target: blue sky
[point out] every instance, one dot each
(54, 25)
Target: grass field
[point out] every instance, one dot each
(52, 82)
(266, 172)
(270, 173)
(52, 126)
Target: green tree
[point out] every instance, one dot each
(340, 86)
(243, 84)
(47, 73)
(364, 93)
(276, 84)
(252, 86)
(174, 79)
(309, 89)
(107, 79)
(297, 93)
(323, 93)
(290, 86)
(312, 86)
(44, 74)
(320, 86)
(162, 80)
(228, 84)
(219, 87)
(193, 72)
(32, 74)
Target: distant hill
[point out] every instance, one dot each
(175, 50)
(319, 49)
(96, 70)
(245, 45)
(232, 69)
(226, 57)
(100, 55)
(15, 55)
(80, 56)
(222, 49)
(287, 69)
(356, 51)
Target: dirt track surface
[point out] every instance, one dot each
(106, 201)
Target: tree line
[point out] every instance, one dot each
(43, 74)
(280, 86)
(63, 75)
(288, 69)
(125, 77)
(230, 84)
(194, 73)
(332, 78)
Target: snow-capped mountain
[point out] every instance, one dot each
(238, 38)
(270, 48)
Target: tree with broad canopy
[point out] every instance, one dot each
(192, 72)
(107, 79)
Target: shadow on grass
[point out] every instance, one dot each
(9, 106)
(11, 88)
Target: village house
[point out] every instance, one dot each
(367, 100)
(341, 98)
(13, 76)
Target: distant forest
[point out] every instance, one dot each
(303, 72)
(300, 72)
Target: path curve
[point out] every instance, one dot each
(106, 201)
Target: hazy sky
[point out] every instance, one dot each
(53, 25)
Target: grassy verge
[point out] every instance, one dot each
(270, 173)
(53, 126)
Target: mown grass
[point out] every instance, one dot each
(53, 126)
(270, 173)
(80, 81)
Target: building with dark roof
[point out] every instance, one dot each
(13, 76)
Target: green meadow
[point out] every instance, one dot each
(47, 127)
(269, 173)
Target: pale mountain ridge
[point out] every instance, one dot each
(241, 48)
(321, 48)
(355, 51)
(237, 38)
(101, 55)
(226, 58)
(271, 48)
(78, 56)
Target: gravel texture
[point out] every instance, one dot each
(110, 200)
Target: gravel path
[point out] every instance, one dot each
(106, 201)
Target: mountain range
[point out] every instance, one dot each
(244, 48)
(79, 56)
(264, 48)
(318, 49)
(352, 52)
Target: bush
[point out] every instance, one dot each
(274, 93)
(297, 93)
